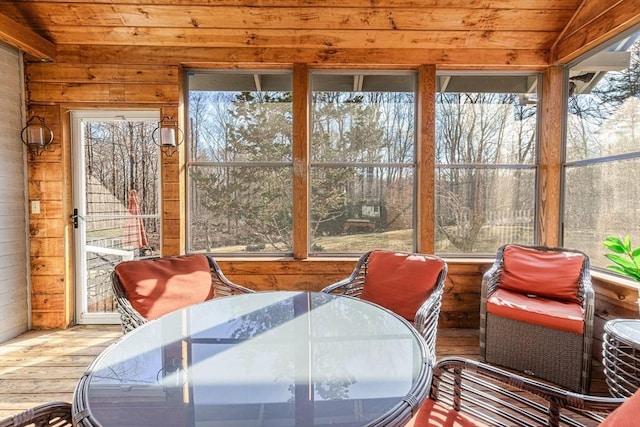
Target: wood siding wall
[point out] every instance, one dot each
(461, 301)
(120, 78)
(613, 301)
(52, 91)
(14, 306)
(94, 80)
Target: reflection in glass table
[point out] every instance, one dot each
(263, 359)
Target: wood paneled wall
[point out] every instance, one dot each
(127, 77)
(52, 91)
(52, 291)
(460, 305)
(613, 301)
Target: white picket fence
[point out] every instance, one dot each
(510, 217)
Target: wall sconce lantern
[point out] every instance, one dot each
(37, 135)
(168, 136)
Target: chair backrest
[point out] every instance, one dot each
(556, 273)
(157, 286)
(52, 414)
(401, 282)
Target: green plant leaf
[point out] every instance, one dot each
(626, 258)
(614, 244)
(621, 261)
(613, 239)
(616, 268)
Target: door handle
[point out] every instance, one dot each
(75, 217)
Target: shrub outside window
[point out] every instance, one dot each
(240, 169)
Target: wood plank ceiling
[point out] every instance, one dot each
(450, 33)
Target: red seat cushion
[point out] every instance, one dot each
(550, 274)
(550, 313)
(400, 282)
(626, 415)
(434, 414)
(158, 286)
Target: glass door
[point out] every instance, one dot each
(116, 202)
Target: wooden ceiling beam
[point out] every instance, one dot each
(298, 38)
(26, 40)
(402, 58)
(593, 24)
(308, 17)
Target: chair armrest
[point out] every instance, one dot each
(222, 285)
(491, 278)
(498, 397)
(346, 286)
(352, 285)
(130, 318)
(426, 320)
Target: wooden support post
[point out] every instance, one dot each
(552, 119)
(301, 92)
(425, 167)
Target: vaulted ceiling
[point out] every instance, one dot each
(450, 33)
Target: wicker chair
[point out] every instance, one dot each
(468, 393)
(410, 285)
(53, 414)
(197, 278)
(534, 326)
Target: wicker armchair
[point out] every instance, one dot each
(536, 314)
(53, 414)
(410, 285)
(469, 393)
(148, 288)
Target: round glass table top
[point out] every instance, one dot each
(261, 359)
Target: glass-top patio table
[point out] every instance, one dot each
(262, 359)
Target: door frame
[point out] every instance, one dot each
(81, 316)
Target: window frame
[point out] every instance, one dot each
(611, 160)
(316, 164)
(493, 81)
(425, 166)
(191, 163)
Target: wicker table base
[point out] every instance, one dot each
(621, 356)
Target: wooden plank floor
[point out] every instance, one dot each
(43, 366)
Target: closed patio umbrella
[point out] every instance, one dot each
(135, 236)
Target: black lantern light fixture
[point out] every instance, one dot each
(168, 136)
(37, 136)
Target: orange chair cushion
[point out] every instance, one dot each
(435, 414)
(159, 286)
(626, 415)
(548, 274)
(550, 313)
(400, 282)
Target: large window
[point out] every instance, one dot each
(485, 162)
(363, 173)
(362, 162)
(602, 170)
(239, 162)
